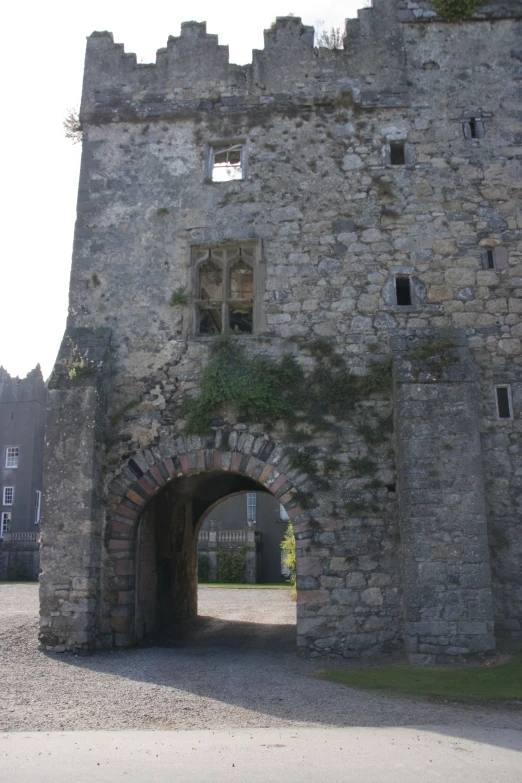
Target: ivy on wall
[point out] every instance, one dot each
(456, 9)
(271, 391)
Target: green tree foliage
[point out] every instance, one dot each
(288, 549)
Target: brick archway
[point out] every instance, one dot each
(150, 471)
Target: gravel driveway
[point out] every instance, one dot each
(238, 669)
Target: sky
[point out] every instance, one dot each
(42, 55)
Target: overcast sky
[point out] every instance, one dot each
(42, 53)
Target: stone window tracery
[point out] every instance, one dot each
(225, 289)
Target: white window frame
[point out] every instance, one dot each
(234, 172)
(6, 495)
(37, 507)
(510, 402)
(5, 524)
(252, 506)
(12, 454)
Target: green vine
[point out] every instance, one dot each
(456, 9)
(270, 391)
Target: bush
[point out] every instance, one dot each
(231, 565)
(288, 548)
(203, 568)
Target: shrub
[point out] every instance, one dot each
(231, 565)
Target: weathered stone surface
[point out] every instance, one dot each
(336, 223)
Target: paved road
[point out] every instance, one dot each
(361, 755)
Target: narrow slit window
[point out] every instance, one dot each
(504, 406)
(474, 128)
(403, 291)
(397, 153)
(490, 257)
(227, 163)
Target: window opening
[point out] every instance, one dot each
(391, 487)
(37, 506)
(8, 496)
(397, 153)
(6, 523)
(403, 291)
(225, 301)
(251, 506)
(490, 259)
(473, 127)
(227, 163)
(504, 402)
(11, 456)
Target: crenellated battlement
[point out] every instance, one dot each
(193, 73)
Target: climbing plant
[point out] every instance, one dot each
(268, 390)
(456, 9)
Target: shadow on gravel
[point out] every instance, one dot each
(213, 632)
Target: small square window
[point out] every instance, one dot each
(397, 153)
(504, 402)
(403, 291)
(227, 163)
(8, 496)
(6, 523)
(11, 456)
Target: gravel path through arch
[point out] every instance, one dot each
(237, 670)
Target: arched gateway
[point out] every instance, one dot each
(152, 533)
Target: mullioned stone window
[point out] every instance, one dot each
(227, 288)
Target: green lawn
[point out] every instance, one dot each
(242, 586)
(482, 683)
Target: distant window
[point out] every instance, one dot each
(8, 496)
(403, 291)
(37, 506)
(473, 128)
(397, 153)
(6, 523)
(490, 259)
(11, 456)
(224, 296)
(227, 163)
(252, 506)
(504, 403)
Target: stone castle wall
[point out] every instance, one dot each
(397, 558)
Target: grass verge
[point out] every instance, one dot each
(476, 683)
(241, 586)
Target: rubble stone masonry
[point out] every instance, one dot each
(396, 158)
